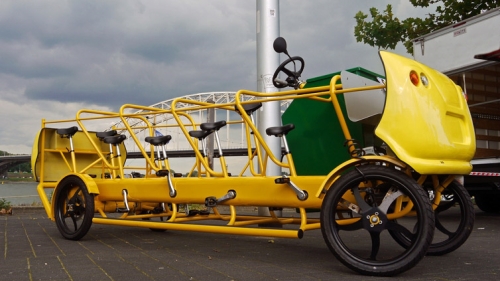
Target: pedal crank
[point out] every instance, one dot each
(212, 201)
(301, 194)
(166, 173)
(125, 202)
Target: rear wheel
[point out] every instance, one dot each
(360, 206)
(74, 208)
(454, 219)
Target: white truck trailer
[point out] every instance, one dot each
(469, 53)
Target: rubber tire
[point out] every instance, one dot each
(73, 188)
(465, 223)
(488, 203)
(366, 265)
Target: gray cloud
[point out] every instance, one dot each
(107, 53)
(115, 52)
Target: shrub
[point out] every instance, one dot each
(4, 204)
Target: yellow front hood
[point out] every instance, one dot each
(428, 127)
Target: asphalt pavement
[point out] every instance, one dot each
(32, 249)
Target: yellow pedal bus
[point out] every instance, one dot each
(378, 211)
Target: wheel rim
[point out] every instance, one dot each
(454, 220)
(446, 229)
(374, 222)
(74, 209)
(361, 211)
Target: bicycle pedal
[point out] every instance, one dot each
(204, 212)
(282, 180)
(211, 201)
(122, 210)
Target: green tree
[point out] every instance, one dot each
(384, 30)
(24, 167)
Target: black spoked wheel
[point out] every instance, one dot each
(454, 219)
(361, 205)
(74, 208)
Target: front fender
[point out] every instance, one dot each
(336, 173)
(91, 185)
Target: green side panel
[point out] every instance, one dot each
(317, 142)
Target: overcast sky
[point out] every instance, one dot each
(57, 57)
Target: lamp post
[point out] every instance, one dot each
(267, 62)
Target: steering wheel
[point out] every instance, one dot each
(292, 76)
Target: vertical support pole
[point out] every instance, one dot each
(267, 62)
(72, 153)
(210, 138)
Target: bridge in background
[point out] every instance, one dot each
(11, 161)
(233, 142)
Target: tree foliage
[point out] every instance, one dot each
(385, 30)
(23, 167)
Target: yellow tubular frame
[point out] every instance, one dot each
(259, 190)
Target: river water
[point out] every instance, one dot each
(20, 193)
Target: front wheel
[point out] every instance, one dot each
(74, 208)
(361, 205)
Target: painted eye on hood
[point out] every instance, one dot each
(424, 80)
(414, 78)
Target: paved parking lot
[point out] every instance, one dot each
(32, 249)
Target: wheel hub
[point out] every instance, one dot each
(375, 220)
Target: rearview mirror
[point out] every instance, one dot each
(279, 45)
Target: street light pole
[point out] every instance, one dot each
(267, 61)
